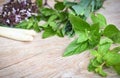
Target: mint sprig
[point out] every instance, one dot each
(98, 38)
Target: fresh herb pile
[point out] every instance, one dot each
(69, 18)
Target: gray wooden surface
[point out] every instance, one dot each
(42, 58)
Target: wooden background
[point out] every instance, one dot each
(42, 58)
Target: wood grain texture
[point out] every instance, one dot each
(42, 58)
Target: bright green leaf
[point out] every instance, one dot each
(36, 27)
(116, 37)
(95, 63)
(99, 18)
(75, 48)
(100, 71)
(117, 68)
(105, 40)
(94, 53)
(52, 18)
(112, 58)
(94, 35)
(99, 58)
(59, 6)
(48, 32)
(90, 66)
(95, 28)
(110, 30)
(59, 33)
(47, 11)
(78, 24)
(69, 4)
(83, 36)
(104, 45)
(63, 16)
(53, 25)
(23, 25)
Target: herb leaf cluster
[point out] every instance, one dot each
(69, 18)
(97, 37)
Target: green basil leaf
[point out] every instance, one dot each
(105, 40)
(47, 11)
(78, 24)
(95, 28)
(94, 35)
(69, 4)
(112, 59)
(117, 68)
(99, 58)
(59, 33)
(75, 48)
(53, 25)
(99, 18)
(48, 32)
(36, 27)
(100, 71)
(104, 45)
(83, 36)
(90, 66)
(63, 16)
(116, 37)
(94, 53)
(95, 63)
(23, 24)
(110, 30)
(52, 18)
(59, 6)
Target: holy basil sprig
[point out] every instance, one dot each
(98, 38)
